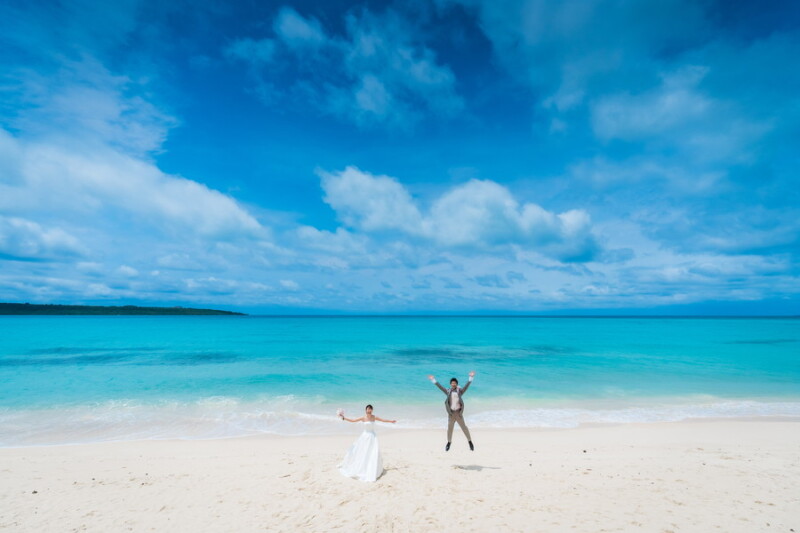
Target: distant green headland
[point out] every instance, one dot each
(50, 309)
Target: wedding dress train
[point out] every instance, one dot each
(363, 459)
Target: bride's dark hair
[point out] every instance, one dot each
(369, 406)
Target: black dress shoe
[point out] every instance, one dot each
(447, 447)
(471, 446)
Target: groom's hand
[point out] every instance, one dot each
(472, 374)
(430, 377)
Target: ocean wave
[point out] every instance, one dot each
(575, 417)
(224, 417)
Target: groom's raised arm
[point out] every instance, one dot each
(433, 380)
(469, 382)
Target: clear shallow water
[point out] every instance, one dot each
(77, 379)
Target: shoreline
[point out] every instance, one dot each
(733, 475)
(209, 420)
(386, 429)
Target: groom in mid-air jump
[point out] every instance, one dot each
(455, 407)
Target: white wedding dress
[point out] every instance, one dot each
(363, 459)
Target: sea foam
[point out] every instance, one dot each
(213, 418)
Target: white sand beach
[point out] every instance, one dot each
(731, 476)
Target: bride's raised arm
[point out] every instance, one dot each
(352, 419)
(387, 421)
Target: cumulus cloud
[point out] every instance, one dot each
(680, 144)
(699, 122)
(476, 214)
(82, 151)
(371, 203)
(705, 92)
(80, 192)
(375, 73)
(24, 239)
(57, 179)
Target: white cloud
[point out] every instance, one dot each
(290, 284)
(475, 214)
(750, 229)
(94, 290)
(371, 203)
(491, 280)
(675, 103)
(65, 27)
(178, 261)
(486, 212)
(128, 271)
(79, 190)
(372, 97)
(650, 171)
(377, 73)
(394, 78)
(83, 151)
(340, 242)
(297, 31)
(678, 115)
(89, 267)
(212, 285)
(10, 158)
(254, 51)
(81, 194)
(59, 180)
(24, 239)
(84, 105)
(566, 49)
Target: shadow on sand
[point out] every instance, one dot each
(477, 468)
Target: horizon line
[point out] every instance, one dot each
(499, 315)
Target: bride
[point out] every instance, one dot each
(363, 459)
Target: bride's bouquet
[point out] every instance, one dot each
(340, 412)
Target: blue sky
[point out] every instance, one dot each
(393, 157)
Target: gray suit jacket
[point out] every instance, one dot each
(447, 392)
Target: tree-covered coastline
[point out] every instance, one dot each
(55, 309)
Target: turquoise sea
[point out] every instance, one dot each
(81, 379)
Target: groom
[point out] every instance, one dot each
(455, 407)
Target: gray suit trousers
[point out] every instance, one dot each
(453, 417)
